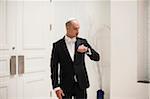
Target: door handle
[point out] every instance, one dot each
(13, 65)
(20, 64)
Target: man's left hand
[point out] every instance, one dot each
(82, 49)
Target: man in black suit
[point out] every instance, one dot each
(68, 71)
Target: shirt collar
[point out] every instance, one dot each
(70, 40)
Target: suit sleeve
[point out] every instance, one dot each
(54, 66)
(94, 55)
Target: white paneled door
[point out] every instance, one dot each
(24, 49)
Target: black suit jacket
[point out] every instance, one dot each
(61, 61)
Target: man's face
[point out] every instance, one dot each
(73, 29)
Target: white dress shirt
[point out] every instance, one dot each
(70, 42)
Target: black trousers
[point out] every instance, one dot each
(75, 92)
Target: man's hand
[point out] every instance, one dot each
(82, 49)
(59, 93)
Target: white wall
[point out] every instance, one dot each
(124, 52)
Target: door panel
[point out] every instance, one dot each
(24, 28)
(3, 33)
(4, 91)
(32, 66)
(4, 66)
(7, 82)
(32, 43)
(36, 84)
(33, 25)
(4, 88)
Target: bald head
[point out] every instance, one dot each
(71, 21)
(72, 28)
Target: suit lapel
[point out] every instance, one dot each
(64, 46)
(77, 43)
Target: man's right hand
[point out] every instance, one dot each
(59, 93)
